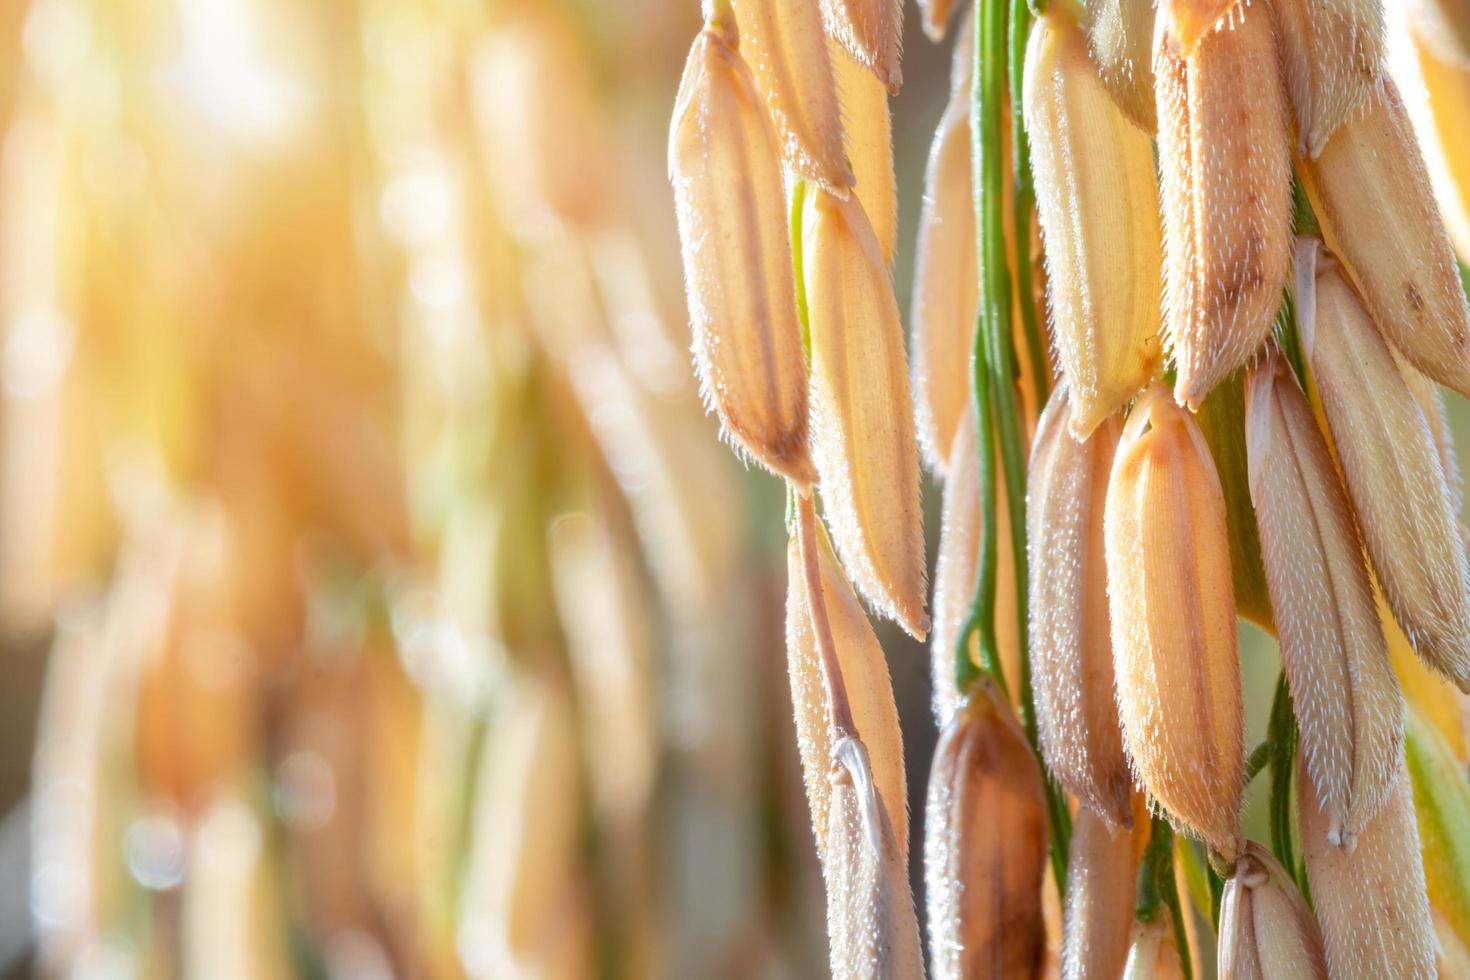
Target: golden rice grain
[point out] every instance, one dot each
(1392, 470)
(954, 574)
(864, 676)
(1346, 698)
(1332, 56)
(871, 31)
(946, 296)
(1370, 901)
(1173, 622)
(1431, 402)
(1152, 953)
(1266, 929)
(985, 844)
(1121, 36)
(1102, 869)
(868, 134)
(786, 48)
(863, 437)
(1190, 21)
(1371, 191)
(1099, 210)
(871, 926)
(1225, 173)
(1071, 651)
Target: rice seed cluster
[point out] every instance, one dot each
(1251, 298)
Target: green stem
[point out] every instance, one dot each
(1281, 734)
(1190, 858)
(981, 617)
(1156, 890)
(1000, 361)
(1303, 218)
(1059, 828)
(992, 353)
(1217, 893)
(1181, 935)
(1259, 759)
(995, 289)
(1289, 340)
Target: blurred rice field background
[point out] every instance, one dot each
(377, 599)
